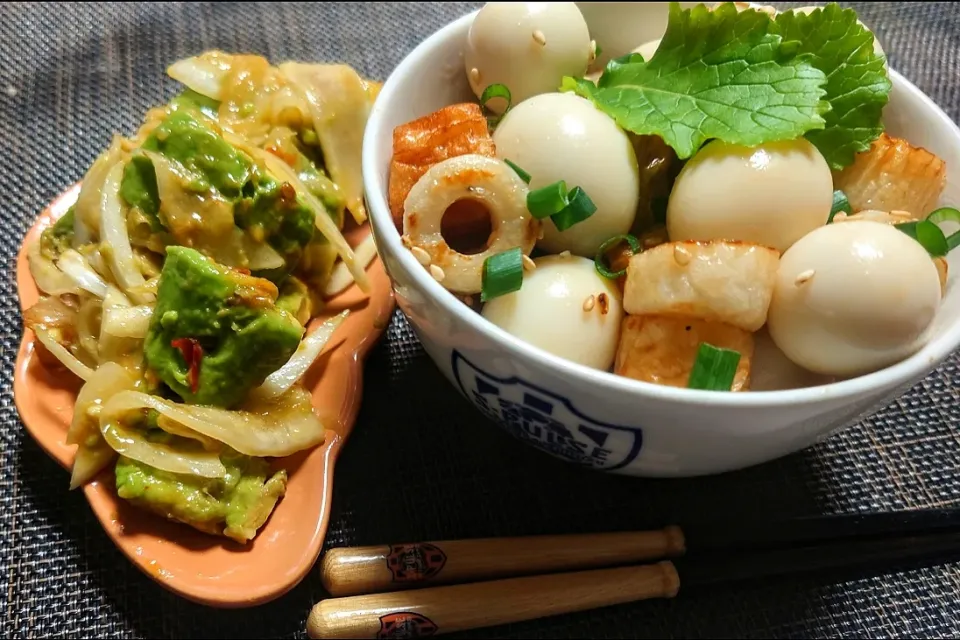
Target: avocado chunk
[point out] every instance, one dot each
(58, 237)
(230, 320)
(190, 99)
(201, 151)
(276, 215)
(235, 506)
(243, 195)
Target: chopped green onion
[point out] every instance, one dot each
(598, 51)
(840, 203)
(928, 234)
(714, 368)
(502, 274)
(495, 91)
(944, 214)
(953, 241)
(547, 201)
(520, 172)
(580, 208)
(947, 214)
(600, 260)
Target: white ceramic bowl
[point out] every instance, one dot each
(595, 418)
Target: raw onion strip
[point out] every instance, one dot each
(204, 73)
(132, 444)
(49, 279)
(322, 219)
(276, 430)
(63, 354)
(340, 277)
(93, 454)
(280, 381)
(76, 267)
(113, 231)
(127, 322)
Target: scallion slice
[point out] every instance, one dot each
(600, 260)
(714, 368)
(547, 201)
(502, 274)
(579, 208)
(840, 203)
(520, 172)
(928, 234)
(947, 214)
(496, 91)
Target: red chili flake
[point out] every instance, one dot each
(192, 354)
(242, 270)
(287, 193)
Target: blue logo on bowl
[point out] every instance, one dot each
(546, 420)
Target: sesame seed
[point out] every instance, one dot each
(437, 273)
(804, 277)
(529, 264)
(604, 303)
(407, 242)
(681, 255)
(589, 303)
(540, 234)
(421, 255)
(468, 300)
(593, 50)
(475, 75)
(540, 38)
(840, 215)
(564, 254)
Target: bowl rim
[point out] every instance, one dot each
(912, 368)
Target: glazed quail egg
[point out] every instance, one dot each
(772, 194)
(561, 136)
(564, 307)
(526, 46)
(852, 298)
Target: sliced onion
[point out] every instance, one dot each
(340, 277)
(339, 106)
(87, 210)
(280, 381)
(133, 444)
(127, 322)
(113, 231)
(93, 454)
(322, 219)
(260, 255)
(45, 273)
(88, 327)
(263, 429)
(49, 313)
(75, 266)
(113, 345)
(204, 73)
(63, 354)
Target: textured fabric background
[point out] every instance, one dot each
(422, 464)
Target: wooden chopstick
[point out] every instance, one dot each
(355, 570)
(438, 610)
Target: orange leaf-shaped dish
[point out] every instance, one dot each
(207, 569)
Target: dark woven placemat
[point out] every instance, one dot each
(422, 464)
